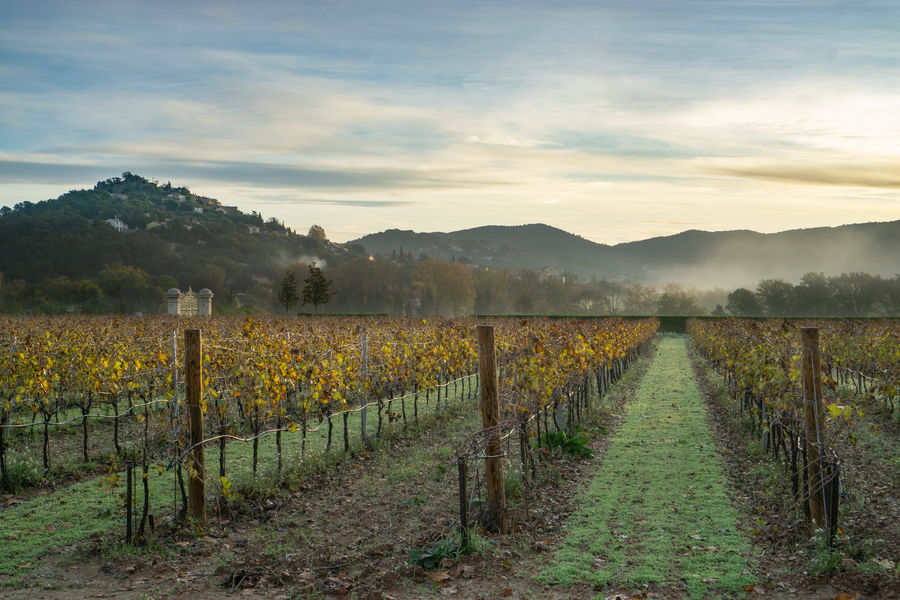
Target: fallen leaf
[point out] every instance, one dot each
(439, 577)
(884, 563)
(449, 591)
(467, 571)
(507, 591)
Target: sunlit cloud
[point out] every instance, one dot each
(586, 116)
(885, 176)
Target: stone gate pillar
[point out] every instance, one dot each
(174, 300)
(204, 302)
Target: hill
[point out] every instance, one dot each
(119, 246)
(697, 258)
(137, 238)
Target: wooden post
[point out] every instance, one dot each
(814, 409)
(463, 502)
(365, 400)
(193, 376)
(129, 470)
(490, 418)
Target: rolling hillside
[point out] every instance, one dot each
(701, 258)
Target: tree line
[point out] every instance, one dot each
(424, 286)
(421, 286)
(818, 295)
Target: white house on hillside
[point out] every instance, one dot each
(117, 224)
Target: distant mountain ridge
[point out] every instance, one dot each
(700, 258)
(178, 237)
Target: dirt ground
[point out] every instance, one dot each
(347, 534)
(783, 543)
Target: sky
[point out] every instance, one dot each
(614, 120)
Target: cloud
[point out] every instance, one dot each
(885, 176)
(618, 110)
(343, 202)
(18, 171)
(258, 174)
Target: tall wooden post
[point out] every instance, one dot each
(193, 377)
(463, 502)
(129, 473)
(365, 400)
(814, 408)
(490, 418)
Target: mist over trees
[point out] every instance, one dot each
(432, 286)
(119, 246)
(816, 295)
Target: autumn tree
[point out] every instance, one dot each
(641, 300)
(492, 290)
(443, 287)
(317, 234)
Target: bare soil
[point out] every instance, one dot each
(347, 533)
(784, 544)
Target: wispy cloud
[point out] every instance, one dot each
(885, 176)
(260, 174)
(360, 203)
(585, 115)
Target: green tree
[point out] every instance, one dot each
(744, 303)
(127, 287)
(891, 297)
(777, 296)
(63, 289)
(675, 300)
(315, 289)
(287, 290)
(813, 295)
(855, 294)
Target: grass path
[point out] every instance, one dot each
(58, 523)
(657, 513)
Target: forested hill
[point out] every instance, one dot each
(694, 258)
(119, 246)
(174, 238)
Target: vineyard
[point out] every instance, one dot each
(118, 421)
(276, 394)
(806, 392)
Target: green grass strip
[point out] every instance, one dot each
(657, 513)
(60, 521)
